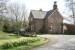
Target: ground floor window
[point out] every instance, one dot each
(51, 28)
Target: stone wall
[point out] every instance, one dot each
(38, 23)
(54, 22)
(51, 24)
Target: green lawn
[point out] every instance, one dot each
(6, 36)
(9, 41)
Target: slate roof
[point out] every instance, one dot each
(37, 14)
(49, 13)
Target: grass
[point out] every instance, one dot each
(23, 43)
(7, 36)
(31, 45)
(9, 41)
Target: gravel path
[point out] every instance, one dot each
(59, 42)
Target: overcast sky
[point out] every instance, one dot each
(43, 4)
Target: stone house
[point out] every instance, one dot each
(46, 21)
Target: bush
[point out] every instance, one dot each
(19, 42)
(8, 28)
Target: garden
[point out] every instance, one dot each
(10, 41)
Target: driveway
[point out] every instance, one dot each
(59, 42)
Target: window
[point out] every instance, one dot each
(50, 28)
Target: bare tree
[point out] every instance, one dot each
(71, 5)
(3, 12)
(13, 11)
(18, 13)
(23, 15)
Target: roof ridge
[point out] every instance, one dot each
(38, 14)
(39, 10)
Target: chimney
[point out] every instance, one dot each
(40, 10)
(55, 5)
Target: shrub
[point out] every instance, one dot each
(19, 42)
(6, 46)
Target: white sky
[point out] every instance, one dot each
(43, 4)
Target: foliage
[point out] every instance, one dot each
(9, 27)
(9, 41)
(21, 42)
(35, 44)
(3, 11)
(15, 17)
